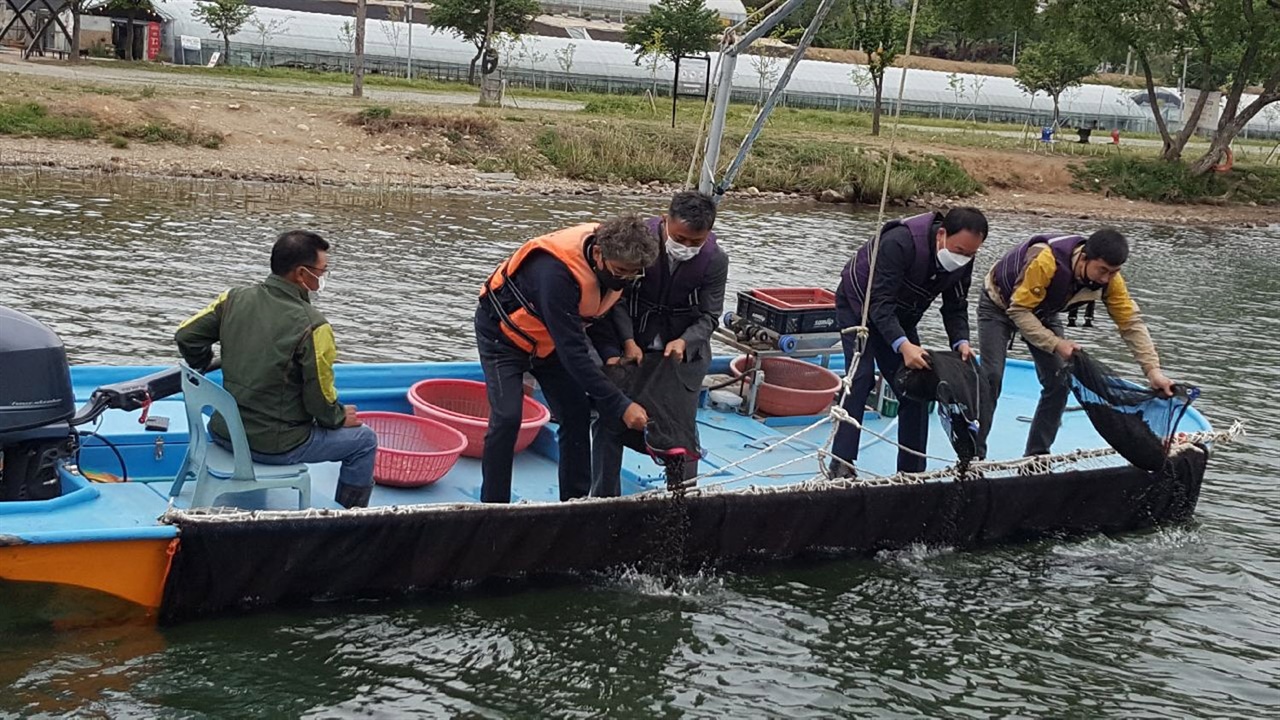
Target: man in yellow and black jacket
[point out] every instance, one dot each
(1026, 292)
(277, 362)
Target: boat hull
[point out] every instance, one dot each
(239, 564)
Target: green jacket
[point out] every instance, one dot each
(277, 362)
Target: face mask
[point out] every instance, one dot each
(321, 281)
(950, 262)
(681, 253)
(609, 281)
(1094, 285)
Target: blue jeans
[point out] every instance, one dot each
(504, 368)
(354, 447)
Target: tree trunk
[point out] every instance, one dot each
(1155, 107)
(357, 81)
(1228, 128)
(75, 33)
(128, 42)
(226, 52)
(875, 110)
(1055, 109)
(471, 72)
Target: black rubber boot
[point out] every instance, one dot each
(350, 496)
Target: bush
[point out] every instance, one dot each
(1166, 182)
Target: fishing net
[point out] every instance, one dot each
(671, 402)
(961, 393)
(1138, 422)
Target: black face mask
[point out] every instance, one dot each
(1094, 285)
(609, 281)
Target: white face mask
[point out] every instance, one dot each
(321, 281)
(951, 262)
(681, 253)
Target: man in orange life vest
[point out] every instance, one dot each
(1026, 292)
(534, 315)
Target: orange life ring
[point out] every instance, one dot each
(1226, 165)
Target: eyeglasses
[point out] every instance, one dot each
(317, 272)
(624, 275)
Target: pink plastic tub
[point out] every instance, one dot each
(464, 406)
(791, 386)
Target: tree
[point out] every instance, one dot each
(1052, 65)
(468, 19)
(77, 8)
(680, 27)
(357, 72)
(767, 68)
(564, 56)
(1254, 25)
(347, 36)
(266, 31)
(1231, 43)
(877, 28)
(225, 17)
(392, 30)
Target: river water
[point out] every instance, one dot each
(1175, 622)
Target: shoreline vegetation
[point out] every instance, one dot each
(285, 128)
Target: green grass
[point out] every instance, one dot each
(1159, 181)
(34, 120)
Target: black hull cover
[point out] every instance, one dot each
(239, 565)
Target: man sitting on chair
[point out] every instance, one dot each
(277, 362)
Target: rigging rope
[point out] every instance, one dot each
(846, 383)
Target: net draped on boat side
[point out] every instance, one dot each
(1138, 422)
(241, 560)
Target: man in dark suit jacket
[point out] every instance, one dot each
(920, 258)
(672, 310)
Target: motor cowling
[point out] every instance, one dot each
(36, 402)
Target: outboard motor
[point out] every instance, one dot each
(36, 406)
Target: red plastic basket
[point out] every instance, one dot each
(412, 451)
(796, 298)
(464, 406)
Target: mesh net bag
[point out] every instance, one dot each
(962, 394)
(1137, 422)
(656, 384)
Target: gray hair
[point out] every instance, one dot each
(627, 240)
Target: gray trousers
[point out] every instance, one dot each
(995, 334)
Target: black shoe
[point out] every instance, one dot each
(350, 496)
(840, 470)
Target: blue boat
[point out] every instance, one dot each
(114, 530)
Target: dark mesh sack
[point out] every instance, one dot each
(962, 393)
(1137, 422)
(655, 384)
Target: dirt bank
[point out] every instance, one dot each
(299, 138)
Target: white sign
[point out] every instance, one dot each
(189, 42)
(214, 58)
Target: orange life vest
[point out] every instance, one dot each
(522, 326)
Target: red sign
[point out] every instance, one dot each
(153, 41)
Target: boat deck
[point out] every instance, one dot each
(130, 509)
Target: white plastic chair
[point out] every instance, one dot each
(217, 471)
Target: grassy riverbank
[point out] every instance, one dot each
(1163, 182)
(262, 126)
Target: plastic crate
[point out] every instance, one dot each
(790, 310)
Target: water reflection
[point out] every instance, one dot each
(1176, 622)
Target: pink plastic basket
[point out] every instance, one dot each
(464, 406)
(412, 451)
(791, 387)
